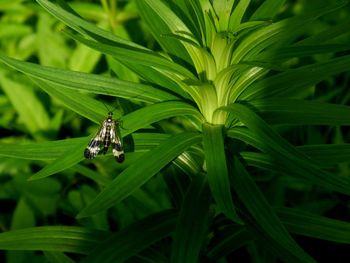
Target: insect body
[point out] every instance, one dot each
(108, 134)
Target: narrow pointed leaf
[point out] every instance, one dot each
(52, 238)
(161, 20)
(301, 112)
(263, 137)
(134, 238)
(144, 58)
(316, 226)
(249, 193)
(140, 172)
(268, 9)
(39, 151)
(90, 82)
(284, 84)
(131, 122)
(217, 169)
(57, 257)
(192, 224)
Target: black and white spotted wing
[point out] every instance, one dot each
(108, 134)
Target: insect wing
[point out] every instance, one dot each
(117, 146)
(94, 145)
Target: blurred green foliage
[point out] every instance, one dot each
(274, 186)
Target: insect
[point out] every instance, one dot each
(108, 134)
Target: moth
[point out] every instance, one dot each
(108, 134)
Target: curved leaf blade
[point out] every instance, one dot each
(308, 224)
(217, 169)
(53, 238)
(263, 137)
(140, 172)
(134, 238)
(263, 213)
(90, 82)
(192, 224)
(301, 112)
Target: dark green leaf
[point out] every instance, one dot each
(192, 224)
(53, 238)
(249, 193)
(217, 169)
(140, 172)
(301, 112)
(134, 238)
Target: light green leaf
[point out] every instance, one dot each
(143, 57)
(161, 20)
(26, 103)
(39, 151)
(82, 104)
(237, 14)
(90, 82)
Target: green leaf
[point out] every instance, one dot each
(301, 112)
(90, 82)
(82, 104)
(26, 103)
(263, 137)
(140, 172)
(131, 122)
(83, 59)
(64, 13)
(262, 38)
(283, 53)
(316, 226)
(139, 57)
(161, 20)
(249, 193)
(23, 216)
(229, 239)
(93, 175)
(57, 257)
(328, 34)
(237, 14)
(66, 160)
(134, 238)
(156, 112)
(52, 238)
(39, 151)
(192, 224)
(13, 30)
(268, 9)
(284, 84)
(217, 169)
(327, 154)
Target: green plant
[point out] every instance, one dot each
(236, 80)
